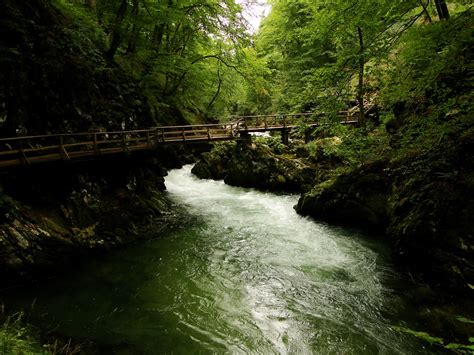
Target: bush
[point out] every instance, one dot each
(431, 64)
(16, 338)
(350, 146)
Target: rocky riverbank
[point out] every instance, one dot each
(263, 164)
(421, 204)
(72, 210)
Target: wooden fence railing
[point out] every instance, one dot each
(28, 150)
(278, 122)
(68, 146)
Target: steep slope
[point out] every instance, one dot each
(53, 77)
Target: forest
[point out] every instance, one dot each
(344, 225)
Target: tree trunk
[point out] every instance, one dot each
(91, 4)
(116, 37)
(158, 33)
(442, 9)
(216, 95)
(360, 91)
(132, 41)
(427, 17)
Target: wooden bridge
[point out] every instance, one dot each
(27, 150)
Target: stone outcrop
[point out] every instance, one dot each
(423, 204)
(360, 198)
(254, 165)
(70, 210)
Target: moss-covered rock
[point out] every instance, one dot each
(423, 202)
(360, 198)
(255, 165)
(214, 164)
(72, 210)
(432, 227)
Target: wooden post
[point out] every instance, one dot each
(285, 136)
(62, 149)
(148, 140)
(307, 135)
(96, 145)
(232, 130)
(124, 143)
(265, 122)
(208, 134)
(163, 135)
(23, 158)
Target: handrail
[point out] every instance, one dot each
(25, 150)
(57, 135)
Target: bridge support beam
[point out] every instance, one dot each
(285, 136)
(245, 139)
(307, 135)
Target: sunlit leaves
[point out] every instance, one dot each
(313, 49)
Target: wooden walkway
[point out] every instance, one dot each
(27, 150)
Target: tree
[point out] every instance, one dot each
(115, 34)
(318, 49)
(360, 90)
(180, 51)
(442, 9)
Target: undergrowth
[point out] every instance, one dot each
(18, 338)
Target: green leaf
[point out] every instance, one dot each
(464, 320)
(459, 346)
(421, 335)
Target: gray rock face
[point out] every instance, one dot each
(66, 212)
(422, 204)
(253, 165)
(360, 198)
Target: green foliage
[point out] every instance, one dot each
(313, 51)
(422, 133)
(16, 338)
(468, 321)
(184, 53)
(432, 64)
(421, 335)
(223, 149)
(273, 142)
(350, 146)
(437, 341)
(456, 346)
(86, 29)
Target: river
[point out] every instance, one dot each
(243, 274)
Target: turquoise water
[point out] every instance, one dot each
(243, 274)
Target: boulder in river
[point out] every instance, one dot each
(422, 203)
(254, 165)
(359, 198)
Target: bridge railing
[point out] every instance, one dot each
(26, 150)
(41, 148)
(196, 132)
(290, 120)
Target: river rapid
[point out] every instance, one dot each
(243, 273)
